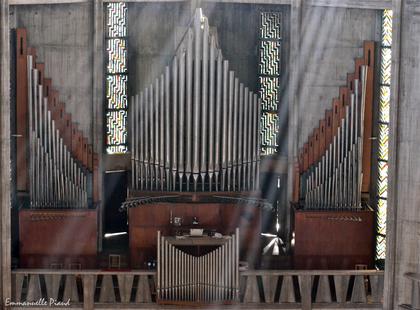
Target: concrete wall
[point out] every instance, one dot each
(152, 43)
(407, 200)
(153, 34)
(62, 36)
(331, 39)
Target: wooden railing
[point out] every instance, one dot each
(415, 291)
(281, 289)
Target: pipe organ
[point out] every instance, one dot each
(56, 169)
(196, 127)
(333, 169)
(334, 224)
(60, 162)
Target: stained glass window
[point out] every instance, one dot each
(383, 133)
(269, 78)
(116, 77)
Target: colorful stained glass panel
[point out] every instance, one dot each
(117, 56)
(116, 91)
(116, 127)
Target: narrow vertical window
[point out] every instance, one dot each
(383, 130)
(116, 77)
(269, 78)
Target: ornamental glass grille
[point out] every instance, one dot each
(269, 70)
(116, 77)
(383, 132)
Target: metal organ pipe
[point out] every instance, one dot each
(56, 179)
(197, 127)
(334, 181)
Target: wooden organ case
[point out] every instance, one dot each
(57, 173)
(333, 223)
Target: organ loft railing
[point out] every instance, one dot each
(55, 163)
(333, 168)
(197, 124)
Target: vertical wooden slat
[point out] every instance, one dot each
(88, 292)
(305, 285)
(369, 54)
(22, 177)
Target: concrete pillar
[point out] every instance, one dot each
(5, 176)
(98, 103)
(403, 214)
(294, 78)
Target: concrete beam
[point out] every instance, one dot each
(357, 4)
(5, 176)
(98, 101)
(26, 2)
(294, 78)
(361, 4)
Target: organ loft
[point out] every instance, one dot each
(213, 154)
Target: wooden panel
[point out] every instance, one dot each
(335, 117)
(333, 239)
(22, 120)
(369, 52)
(328, 127)
(322, 147)
(306, 156)
(48, 235)
(67, 133)
(296, 183)
(90, 158)
(357, 64)
(146, 220)
(95, 178)
(350, 81)
(311, 150)
(41, 68)
(85, 151)
(74, 139)
(47, 87)
(344, 101)
(316, 145)
(301, 160)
